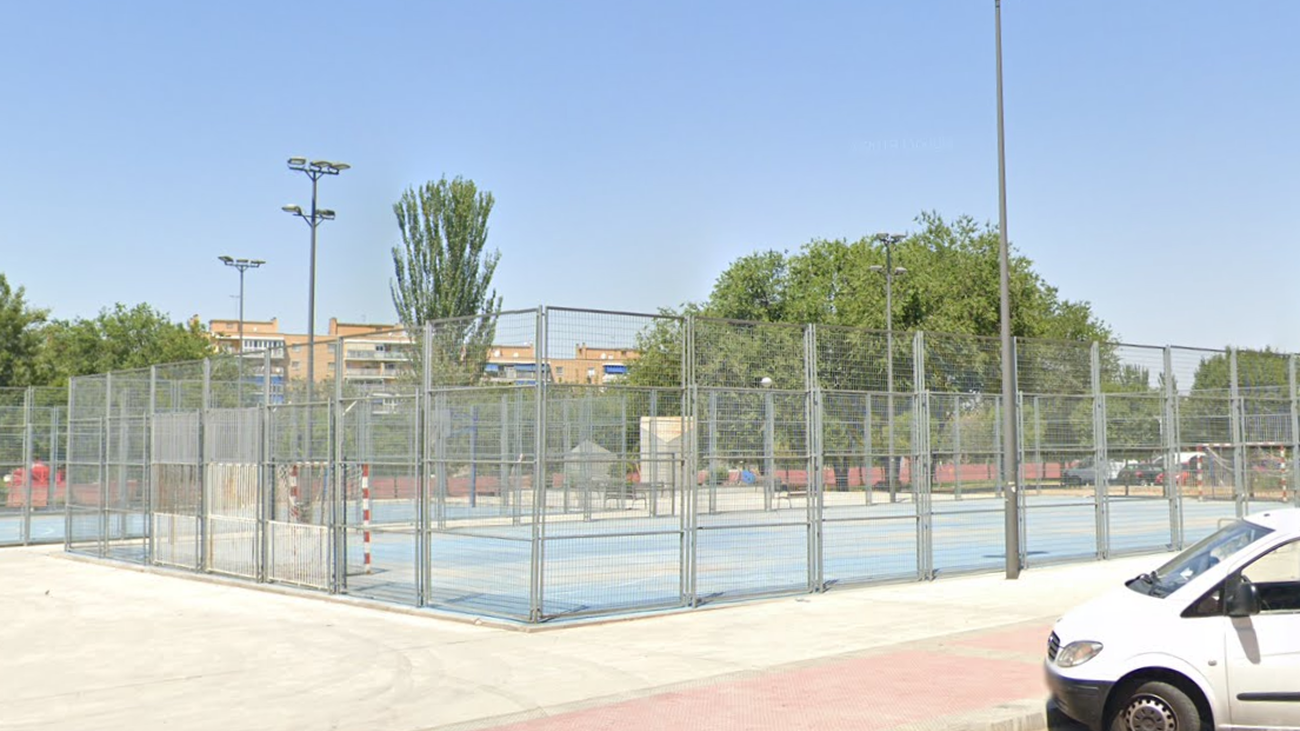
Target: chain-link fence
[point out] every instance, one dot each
(33, 468)
(555, 462)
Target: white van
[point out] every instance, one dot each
(1210, 640)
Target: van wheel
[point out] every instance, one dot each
(1156, 706)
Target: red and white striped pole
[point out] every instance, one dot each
(365, 513)
(1282, 460)
(293, 494)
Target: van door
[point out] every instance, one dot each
(1263, 650)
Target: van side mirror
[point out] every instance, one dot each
(1242, 597)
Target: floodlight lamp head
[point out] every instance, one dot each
(295, 210)
(340, 166)
(257, 262)
(900, 271)
(877, 268)
(297, 163)
(226, 259)
(325, 213)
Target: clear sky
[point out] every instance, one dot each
(636, 148)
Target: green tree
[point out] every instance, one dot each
(120, 338)
(951, 286)
(1256, 369)
(442, 271)
(753, 288)
(950, 291)
(20, 339)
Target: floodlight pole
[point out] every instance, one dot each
(1010, 442)
(314, 170)
(242, 265)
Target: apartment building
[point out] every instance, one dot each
(589, 365)
(374, 355)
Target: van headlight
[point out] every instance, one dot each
(1077, 653)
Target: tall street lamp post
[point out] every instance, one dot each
(1010, 441)
(890, 271)
(242, 265)
(315, 170)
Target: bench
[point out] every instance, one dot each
(786, 492)
(625, 493)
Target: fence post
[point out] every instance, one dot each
(504, 487)
(922, 461)
(1100, 460)
(204, 533)
(815, 462)
(689, 466)
(1022, 495)
(1235, 425)
(67, 495)
(424, 564)
(566, 419)
(338, 483)
(265, 474)
(29, 479)
(998, 445)
(956, 447)
(1038, 445)
(537, 563)
(149, 546)
(1171, 438)
(104, 444)
(517, 510)
(586, 434)
(712, 479)
(1294, 445)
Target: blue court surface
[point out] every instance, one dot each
(628, 560)
(639, 562)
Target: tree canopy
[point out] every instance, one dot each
(117, 339)
(442, 270)
(20, 338)
(951, 286)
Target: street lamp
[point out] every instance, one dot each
(890, 271)
(1010, 440)
(242, 265)
(315, 170)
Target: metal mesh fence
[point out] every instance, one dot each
(33, 469)
(553, 463)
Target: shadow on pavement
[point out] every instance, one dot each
(1057, 721)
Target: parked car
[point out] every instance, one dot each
(1139, 473)
(1084, 473)
(1208, 640)
(1189, 464)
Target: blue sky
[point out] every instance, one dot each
(635, 149)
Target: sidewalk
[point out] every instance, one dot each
(89, 644)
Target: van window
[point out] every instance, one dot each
(1199, 558)
(1276, 575)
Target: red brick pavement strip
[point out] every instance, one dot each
(1031, 641)
(865, 693)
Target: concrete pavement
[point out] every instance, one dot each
(86, 644)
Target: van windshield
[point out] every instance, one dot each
(1198, 559)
